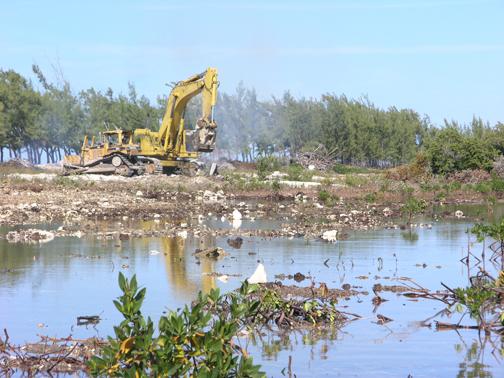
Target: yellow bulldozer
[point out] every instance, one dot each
(143, 151)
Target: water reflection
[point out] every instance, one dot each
(472, 367)
(57, 288)
(273, 343)
(177, 264)
(410, 235)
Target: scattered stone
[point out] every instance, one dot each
(213, 252)
(236, 243)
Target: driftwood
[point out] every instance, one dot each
(49, 355)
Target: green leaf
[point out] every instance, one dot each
(122, 282)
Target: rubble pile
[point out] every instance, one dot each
(318, 159)
(29, 236)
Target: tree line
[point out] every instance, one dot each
(52, 119)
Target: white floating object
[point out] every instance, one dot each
(259, 275)
(154, 252)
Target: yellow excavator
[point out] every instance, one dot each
(143, 151)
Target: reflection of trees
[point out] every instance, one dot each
(410, 236)
(274, 343)
(471, 367)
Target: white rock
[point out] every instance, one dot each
(311, 167)
(236, 214)
(330, 235)
(182, 234)
(139, 193)
(208, 193)
(223, 278)
(259, 275)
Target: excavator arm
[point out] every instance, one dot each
(171, 132)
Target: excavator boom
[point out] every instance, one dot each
(171, 130)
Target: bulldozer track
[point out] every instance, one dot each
(158, 165)
(126, 162)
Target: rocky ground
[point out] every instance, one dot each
(175, 200)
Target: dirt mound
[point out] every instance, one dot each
(19, 163)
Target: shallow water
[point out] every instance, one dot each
(53, 290)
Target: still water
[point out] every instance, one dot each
(48, 290)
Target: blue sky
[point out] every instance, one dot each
(440, 58)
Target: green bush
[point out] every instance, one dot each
(296, 172)
(182, 188)
(456, 185)
(468, 187)
(436, 187)
(255, 184)
(324, 196)
(442, 196)
(355, 181)
(426, 187)
(192, 343)
(66, 181)
(341, 169)
(483, 187)
(491, 199)
(497, 185)
(275, 185)
(413, 206)
(268, 164)
(371, 198)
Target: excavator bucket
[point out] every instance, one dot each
(202, 140)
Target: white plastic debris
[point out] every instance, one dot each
(259, 275)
